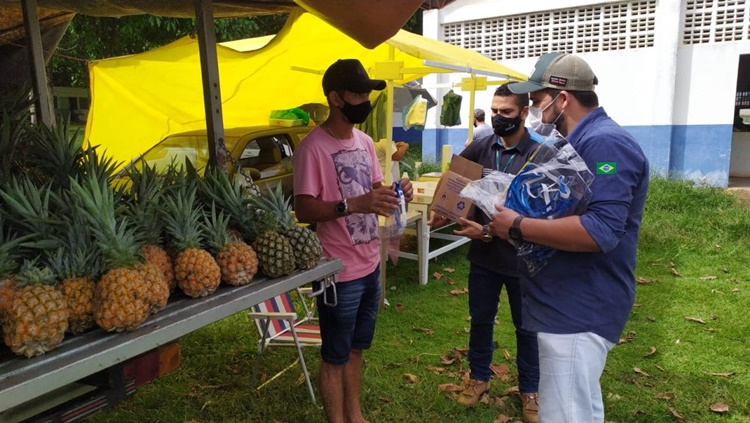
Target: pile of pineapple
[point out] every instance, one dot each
(79, 250)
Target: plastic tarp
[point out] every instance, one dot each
(139, 100)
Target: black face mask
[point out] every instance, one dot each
(504, 126)
(357, 113)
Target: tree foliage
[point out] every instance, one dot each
(91, 38)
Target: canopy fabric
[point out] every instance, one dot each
(139, 100)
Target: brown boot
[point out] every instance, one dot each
(530, 403)
(473, 393)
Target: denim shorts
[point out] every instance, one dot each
(351, 323)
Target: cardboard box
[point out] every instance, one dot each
(447, 201)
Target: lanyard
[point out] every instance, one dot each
(497, 160)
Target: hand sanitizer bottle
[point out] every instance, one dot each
(401, 211)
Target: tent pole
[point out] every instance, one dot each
(36, 61)
(472, 97)
(204, 14)
(389, 119)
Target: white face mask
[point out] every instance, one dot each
(536, 123)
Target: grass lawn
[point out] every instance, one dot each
(684, 349)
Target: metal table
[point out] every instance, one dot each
(23, 379)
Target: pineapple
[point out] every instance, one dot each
(305, 244)
(38, 315)
(236, 259)
(158, 288)
(275, 255)
(8, 265)
(143, 209)
(196, 271)
(122, 299)
(78, 269)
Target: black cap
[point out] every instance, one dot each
(349, 75)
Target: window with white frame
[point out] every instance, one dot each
(716, 21)
(616, 26)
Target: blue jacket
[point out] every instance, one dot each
(594, 292)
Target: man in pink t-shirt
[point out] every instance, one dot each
(338, 186)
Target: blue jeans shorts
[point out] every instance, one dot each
(351, 323)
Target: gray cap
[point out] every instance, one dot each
(479, 114)
(560, 71)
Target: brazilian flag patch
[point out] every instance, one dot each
(606, 168)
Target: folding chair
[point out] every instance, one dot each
(278, 326)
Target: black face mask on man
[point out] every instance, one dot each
(356, 113)
(504, 126)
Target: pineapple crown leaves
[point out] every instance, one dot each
(217, 225)
(32, 273)
(9, 244)
(277, 205)
(28, 206)
(216, 187)
(183, 218)
(75, 263)
(55, 155)
(143, 206)
(115, 238)
(103, 167)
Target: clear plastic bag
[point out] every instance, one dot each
(489, 191)
(553, 183)
(394, 226)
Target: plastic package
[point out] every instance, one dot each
(394, 225)
(554, 183)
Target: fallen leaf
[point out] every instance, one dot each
(671, 264)
(660, 368)
(457, 292)
(449, 270)
(503, 419)
(707, 278)
(499, 370)
(384, 399)
(507, 355)
(399, 307)
(716, 291)
(410, 377)
(425, 330)
(636, 304)
(628, 338)
(675, 272)
(513, 390)
(640, 372)
(446, 360)
(610, 395)
(720, 407)
(651, 319)
(696, 320)
(667, 396)
(725, 270)
(436, 370)
(736, 290)
(676, 414)
(450, 281)
(727, 375)
(651, 351)
(644, 281)
(500, 401)
(717, 245)
(458, 352)
(437, 275)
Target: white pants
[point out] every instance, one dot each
(569, 370)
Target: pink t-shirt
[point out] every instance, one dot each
(330, 170)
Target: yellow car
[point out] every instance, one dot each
(264, 152)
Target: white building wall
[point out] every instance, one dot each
(667, 69)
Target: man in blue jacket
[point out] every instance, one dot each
(580, 301)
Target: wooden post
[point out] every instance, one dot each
(204, 14)
(36, 61)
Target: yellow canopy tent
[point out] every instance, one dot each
(139, 100)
